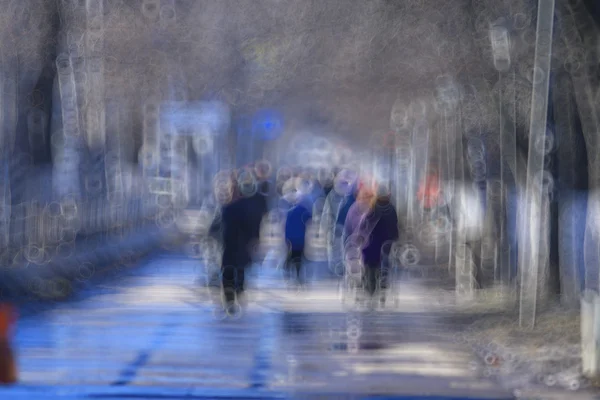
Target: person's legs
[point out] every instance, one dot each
(374, 280)
(240, 279)
(288, 267)
(240, 294)
(293, 267)
(370, 280)
(297, 261)
(475, 247)
(383, 276)
(228, 280)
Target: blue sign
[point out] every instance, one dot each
(186, 118)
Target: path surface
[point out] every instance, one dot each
(154, 334)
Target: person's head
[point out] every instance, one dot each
(367, 189)
(282, 176)
(304, 184)
(225, 186)
(262, 169)
(290, 191)
(335, 170)
(325, 177)
(382, 192)
(345, 182)
(246, 182)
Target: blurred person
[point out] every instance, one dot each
(315, 188)
(256, 193)
(372, 221)
(298, 214)
(262, 171)
(223, 192)
(212, 268)
(240, 220)
(337, 203)
(8, 365)
(364, 201)
(429, 193)
(352, 241)
(468, 219)
(304, 183)
(382, 221)
(283, 175)
(468, 207)
(326, 177)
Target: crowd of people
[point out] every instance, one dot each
(356, 217)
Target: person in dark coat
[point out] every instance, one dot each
(384, 219)
(375, 220)
(240, 221)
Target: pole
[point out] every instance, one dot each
(529, 244)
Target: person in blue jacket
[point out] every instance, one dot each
(297, 216)
(337, 204)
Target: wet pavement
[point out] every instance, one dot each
(154, 333)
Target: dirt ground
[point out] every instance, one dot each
(545, 357)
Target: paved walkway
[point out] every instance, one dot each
(154, 334)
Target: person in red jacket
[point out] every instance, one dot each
(8, 366)
(430, 190)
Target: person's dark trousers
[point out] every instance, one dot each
(233, 282)
(478, 275)
(375, 278)
(293, 266)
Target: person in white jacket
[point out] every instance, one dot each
(337, 203)
(468, 212)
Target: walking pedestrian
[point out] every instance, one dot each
(371, 223)
(240, 220)
(298, 215)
